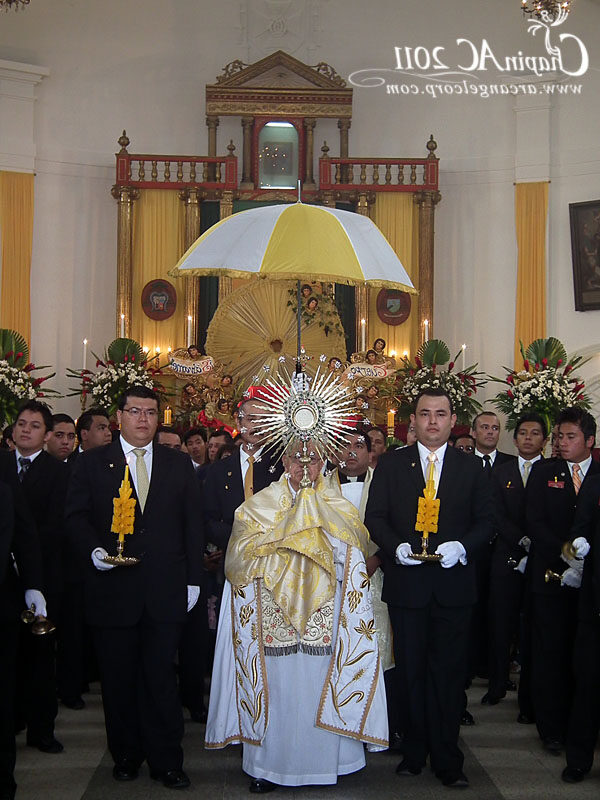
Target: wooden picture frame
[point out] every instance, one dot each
(585, 250)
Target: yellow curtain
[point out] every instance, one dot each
(16, 230)
(396, 216)
(158, 243)
(531, 212)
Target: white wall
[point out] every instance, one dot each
(143, 64)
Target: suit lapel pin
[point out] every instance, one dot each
(413, 464)
(111, 466)
(229, 474)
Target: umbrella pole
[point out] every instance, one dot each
(299, 323)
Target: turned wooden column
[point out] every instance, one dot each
(191, 297)
(212, 123)
(426, 202)
(125, 197)
(344, 127)
(361, 297)
(309, 178)
(247, 123)
(225, 210)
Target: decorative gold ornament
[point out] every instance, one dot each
(16, 4)
(122, 522)
(547, 10)
(428, 513)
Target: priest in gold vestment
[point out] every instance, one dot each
(297, 674)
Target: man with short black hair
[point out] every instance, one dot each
(430, 608)
(509, 557)
(194, 441)
(168, 437)
(93, 429)
(44, 482)
(552, 498)
(378, 444)
(486, 432)
(215, 441)
(137, 613)
(61, 441)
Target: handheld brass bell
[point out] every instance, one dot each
(40, 625)
(550, 575)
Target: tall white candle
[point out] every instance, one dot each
(464, 363)
(426, 331)
(122, 326)
(189, 331)
(363, 334)
(84, 354)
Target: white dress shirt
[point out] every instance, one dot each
(244, 456)
(132, 459)
(583, 467)
(522, 462)
(492, 456)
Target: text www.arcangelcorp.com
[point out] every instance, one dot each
(483, 90)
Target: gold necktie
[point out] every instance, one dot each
(432, 458)
(249, 479)
(526, 471)
(576, 478)
(141, 474)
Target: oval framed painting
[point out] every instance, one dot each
(159, 299)
(393, 306)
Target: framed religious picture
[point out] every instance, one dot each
(585, 249)
(159, 299)
(393, 306)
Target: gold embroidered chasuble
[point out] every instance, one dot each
(280, 598)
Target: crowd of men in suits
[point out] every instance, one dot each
(504, 589)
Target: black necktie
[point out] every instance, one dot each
(487, 464)
(24, 463)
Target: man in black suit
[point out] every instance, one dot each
(44, 483)
(509, 557)
(552, 495)
(486, 431)
(430, 603)
(137, 613)
(18, 541)
(584, 716)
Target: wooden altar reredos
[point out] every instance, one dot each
(278, 87)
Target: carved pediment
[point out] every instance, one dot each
(278, 71)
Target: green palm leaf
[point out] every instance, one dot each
(434, 352)
(119, 348)
(551, 349)
(13, 342)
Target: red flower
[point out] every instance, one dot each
(28, 367)
(451, 366)
(510, 394)
(125, 358)
(568, 369)
(526, 365)
(544, 362)
(537, 366)
(41, 394)
(18, 356)
(37, 381)
(510, 379)
(469, 393)
(133, 357)
(9, 354)
(559, 362)
(433, 366)
(418, 362)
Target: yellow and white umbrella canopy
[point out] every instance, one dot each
(296, 242)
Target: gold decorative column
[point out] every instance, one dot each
(191, 199)
(361, 298)
(309, 178)
(426, 201)
(125, 197)
(344, 127)
(247, 123)
(225, 210)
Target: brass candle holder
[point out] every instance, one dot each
(428, 513)
(550, 575)
(122, 523)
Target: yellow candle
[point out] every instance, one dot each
(390, 421)
(168, 416)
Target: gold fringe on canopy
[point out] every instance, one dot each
(531, 212)
(16, 230)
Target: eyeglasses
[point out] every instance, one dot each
(467, 448)
(138, 413)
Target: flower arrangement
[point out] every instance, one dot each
(125, 364)
(545, 385)
(17, 384)
(426, 373)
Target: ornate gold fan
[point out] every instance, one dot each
(254, 327)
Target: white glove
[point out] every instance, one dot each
(451, 553)
(574, 563)
(403, 552)
(97, 555)
(33, 597)
(571, 577)
(521, 565)
(525, 543)
(193, 595)
(581, 546)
